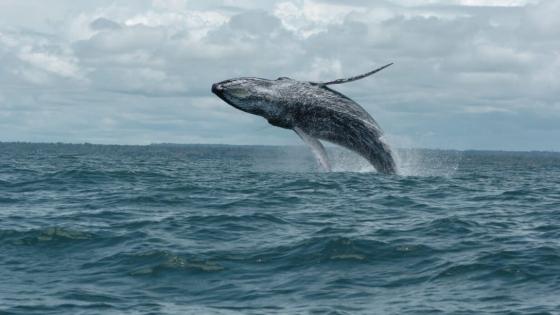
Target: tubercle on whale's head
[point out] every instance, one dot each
(252, 95)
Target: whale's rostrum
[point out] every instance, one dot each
(315, 112)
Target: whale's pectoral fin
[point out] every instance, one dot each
(316, 147)
(279, 123)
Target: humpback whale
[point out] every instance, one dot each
(315, 112)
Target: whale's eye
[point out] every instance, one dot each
(239, 92)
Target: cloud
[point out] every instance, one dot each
(174, 5)
(60, 65)
(100, 24)
(140, 72)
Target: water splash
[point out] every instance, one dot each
(410, 162)
(344, 160)
(299, 159)
(424, 162)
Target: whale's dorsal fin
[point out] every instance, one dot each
(346, 80)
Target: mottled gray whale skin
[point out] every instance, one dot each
(313, 111)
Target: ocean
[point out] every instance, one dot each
(214, 229)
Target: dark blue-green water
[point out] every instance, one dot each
(87, 229)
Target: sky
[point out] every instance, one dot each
(468, 74)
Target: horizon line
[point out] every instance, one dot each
(257, 145)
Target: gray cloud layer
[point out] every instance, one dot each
(465, 75)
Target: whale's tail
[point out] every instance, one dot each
(346, 80)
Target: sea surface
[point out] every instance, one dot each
(202, 229)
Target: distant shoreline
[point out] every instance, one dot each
(223, 145)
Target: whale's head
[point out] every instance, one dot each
(252, 95)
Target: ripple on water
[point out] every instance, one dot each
(49, 235)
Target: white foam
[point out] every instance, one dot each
(410, 162)
(420, 162)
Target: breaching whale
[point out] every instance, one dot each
(315, 112)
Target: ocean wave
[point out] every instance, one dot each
(44, 235)
(8, 200)
(318, 250)
(448, 225)
(519, 266)
(228, 219)
(153, 262)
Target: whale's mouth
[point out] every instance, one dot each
(218, 89)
